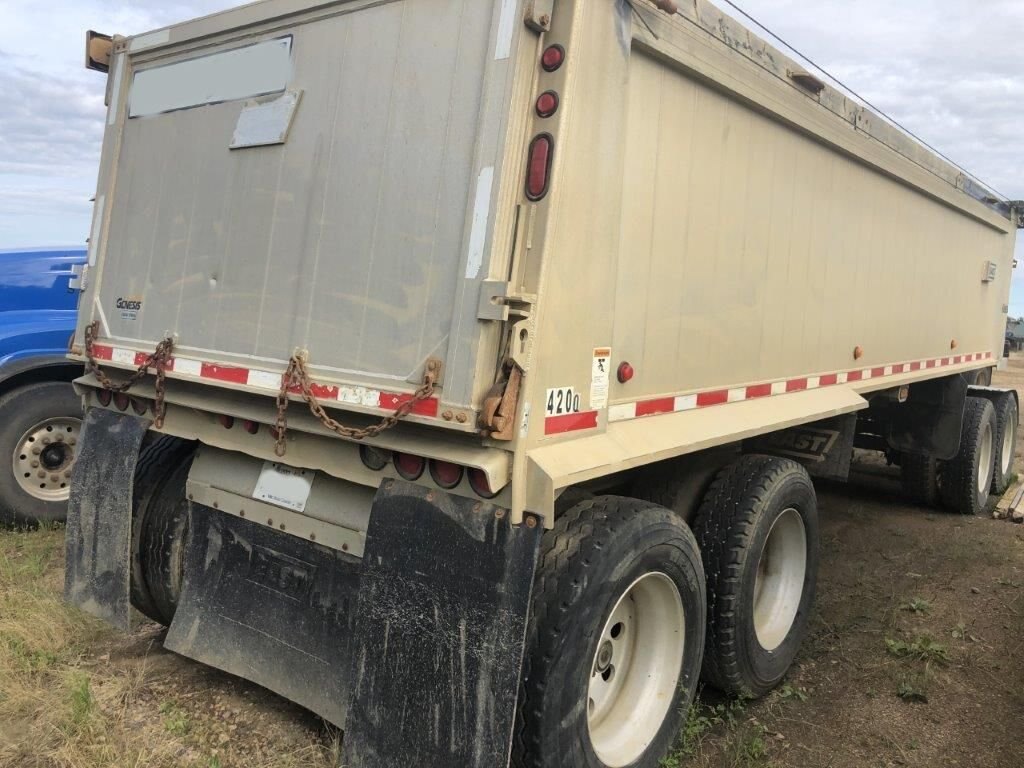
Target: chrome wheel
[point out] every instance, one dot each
(985, 459)
(779, 583)
(636, 670)
(44, 457)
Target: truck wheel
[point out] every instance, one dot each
(616, 639)
(983, 378)
(159, 526)
(39, 430)
(967, 479)
(920, 477)
(1006, 443)
(758, 534)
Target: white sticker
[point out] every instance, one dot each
(599, 379)
(123, 356)
(284, 486)
(562, 401)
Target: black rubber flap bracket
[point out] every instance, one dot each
(440, 631)
(99, 529)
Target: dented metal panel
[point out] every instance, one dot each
(356, 224)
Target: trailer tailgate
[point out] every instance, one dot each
(316, 180)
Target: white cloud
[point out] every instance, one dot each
(949, 70)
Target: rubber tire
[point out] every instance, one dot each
(919, 475)
(731, 527)
(1006, 417)
(958, 481)
(595, 552)
(983, 378)
(20, 410)
(160, 526)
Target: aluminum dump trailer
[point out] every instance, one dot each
(459, 369)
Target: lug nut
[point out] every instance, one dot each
(55, 478)
(46, 441)
(72, 441)
(37, 450)
(41, 473)
(35, 465)
(60, 438)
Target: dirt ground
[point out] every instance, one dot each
(915, 658)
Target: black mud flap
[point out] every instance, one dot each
(99, 529)
(440, 631)
(268, 607)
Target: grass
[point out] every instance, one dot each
(739, 742)
(918, 605)
(922, 648)
(74, 694)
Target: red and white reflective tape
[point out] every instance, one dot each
(555, 425)
(251, 377)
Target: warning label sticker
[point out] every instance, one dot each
(599, 378)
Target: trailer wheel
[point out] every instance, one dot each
(616, 639)
(967, 479)
(39, 430)
(159, 526)
(1006, 443)
(758, 534)
(920, 477)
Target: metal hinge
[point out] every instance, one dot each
(496, 303)
(79, 281)
(538, 14)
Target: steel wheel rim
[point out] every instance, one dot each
(779, 581)
(1009, 445)
(636, 670)
(44, 457)
(985, 460)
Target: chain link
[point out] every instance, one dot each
(159, 359)
(298, 376)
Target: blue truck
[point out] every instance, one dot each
(40, 414)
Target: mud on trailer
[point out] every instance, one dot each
(459, 369)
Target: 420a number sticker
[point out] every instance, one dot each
(562, 401)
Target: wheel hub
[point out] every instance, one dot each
(636, 670)
(44, 458)
(779, 580)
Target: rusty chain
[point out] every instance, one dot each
(298, 376)
(159, 359)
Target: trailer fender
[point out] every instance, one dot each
(98, 541)
(440, 631)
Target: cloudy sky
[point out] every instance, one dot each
(949, 70)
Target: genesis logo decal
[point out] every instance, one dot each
(129, 307)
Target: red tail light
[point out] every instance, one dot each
(541, 152)
(446, 474)
(480, 484)
(547, 104)
(139, 406)
(251, 427)
(374, 458)
(104, 396)
(226, 421)
(121, 400)
(410, 467)
(553, 58)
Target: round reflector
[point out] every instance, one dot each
(121, 400)
(553, 58)
(410, 467)
(374, 458)
(480, 484)
(446, 474)
(547, 104)
(104, 396)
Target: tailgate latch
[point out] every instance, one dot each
(499, 412)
